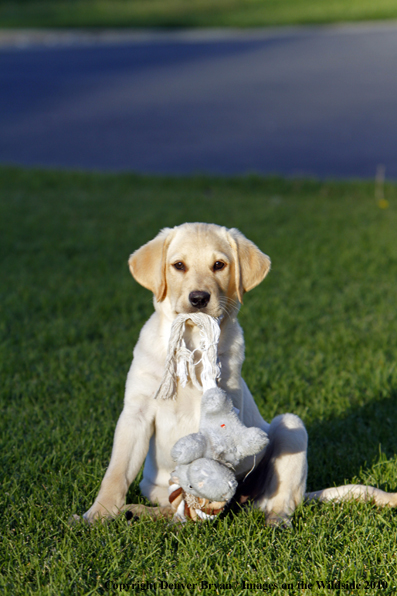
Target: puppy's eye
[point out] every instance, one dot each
(218, 265)
(190, 486)
(180, 266)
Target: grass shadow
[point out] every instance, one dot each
(341, 447)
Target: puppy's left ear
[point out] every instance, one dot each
(251, 264)
(147, 264)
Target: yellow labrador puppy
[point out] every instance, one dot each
(191, 268)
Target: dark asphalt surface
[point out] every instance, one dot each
(319, 102)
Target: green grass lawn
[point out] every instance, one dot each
(320, 341)
(188, 13)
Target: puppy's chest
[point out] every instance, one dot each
(179, 417)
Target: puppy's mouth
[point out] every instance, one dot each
(211, 311)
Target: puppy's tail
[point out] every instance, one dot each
(358, 492)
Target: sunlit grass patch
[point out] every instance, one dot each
(320, 341)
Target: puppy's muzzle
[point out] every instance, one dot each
(199, 299)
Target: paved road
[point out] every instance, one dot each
(319, 101)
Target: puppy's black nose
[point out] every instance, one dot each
(199, 299)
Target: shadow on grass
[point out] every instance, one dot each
(340, 447)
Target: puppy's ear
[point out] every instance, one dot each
(147, 264)
(251, 264)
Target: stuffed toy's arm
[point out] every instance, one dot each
(189, 448)
(253, 440)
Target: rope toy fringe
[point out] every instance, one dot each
(180, 362)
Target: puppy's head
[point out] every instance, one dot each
(199, 267)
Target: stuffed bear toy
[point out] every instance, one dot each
(206, 459)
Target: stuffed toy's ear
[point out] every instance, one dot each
(251, 264)
(148, 264)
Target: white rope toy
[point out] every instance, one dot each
(180, 362)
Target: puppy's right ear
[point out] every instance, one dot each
(148, 263)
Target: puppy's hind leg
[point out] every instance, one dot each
(136, 511)
(278, 483)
